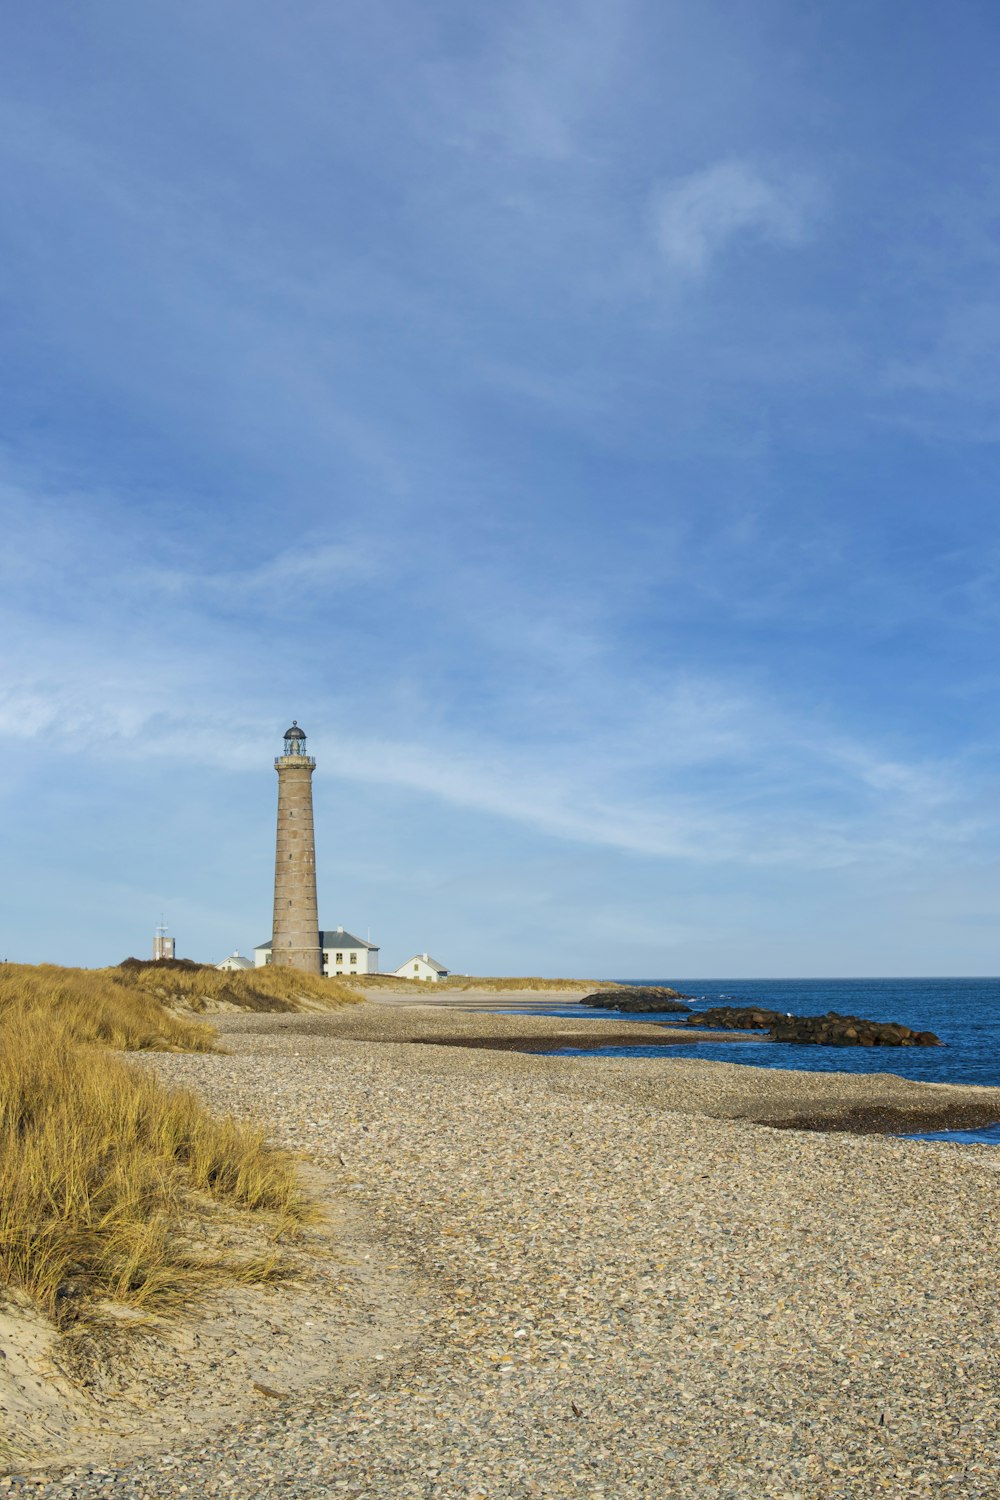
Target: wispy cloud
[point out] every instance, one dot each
(697, 217)
(543, 72)
(528, 708)
(280, 584)
(693, 771)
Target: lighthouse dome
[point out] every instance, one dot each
(295, 749)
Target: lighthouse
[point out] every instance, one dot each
(295, 932)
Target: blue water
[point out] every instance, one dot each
(964, 1013)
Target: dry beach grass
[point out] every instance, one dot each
(515, 986)
(101, 1168)
(208, 990)
(94, 1005)
(465, 984)
(609, 1280)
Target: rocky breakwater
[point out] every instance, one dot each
(834, 1030)
(638, 999)
(738, 1018)
(831, 1030)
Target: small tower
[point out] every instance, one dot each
(163, 946)
(295, 932)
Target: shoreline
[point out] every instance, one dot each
(598, 1277)
(973, 1108)
(785, 1098)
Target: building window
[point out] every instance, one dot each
(339, 958)
(354, 958)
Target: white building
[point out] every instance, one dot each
(235, 961)
(422, 966)
(343, 953)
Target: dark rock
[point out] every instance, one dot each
(834, 1030)
(638, 998)
(737, 1018)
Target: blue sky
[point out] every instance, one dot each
(581, 418)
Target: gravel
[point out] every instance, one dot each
(620, 1296)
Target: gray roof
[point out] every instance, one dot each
(424, 959)
(339, 939)
(344, 940)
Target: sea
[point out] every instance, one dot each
(964, 1013)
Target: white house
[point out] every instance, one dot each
(343, 953)
(235, 961)
(422, 966)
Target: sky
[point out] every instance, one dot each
(581, 418)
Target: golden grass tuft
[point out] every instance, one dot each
(90, 1007)
(271, 988)
(100, 1166)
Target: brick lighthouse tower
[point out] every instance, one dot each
(295, 933)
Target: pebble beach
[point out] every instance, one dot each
(619, 1280)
